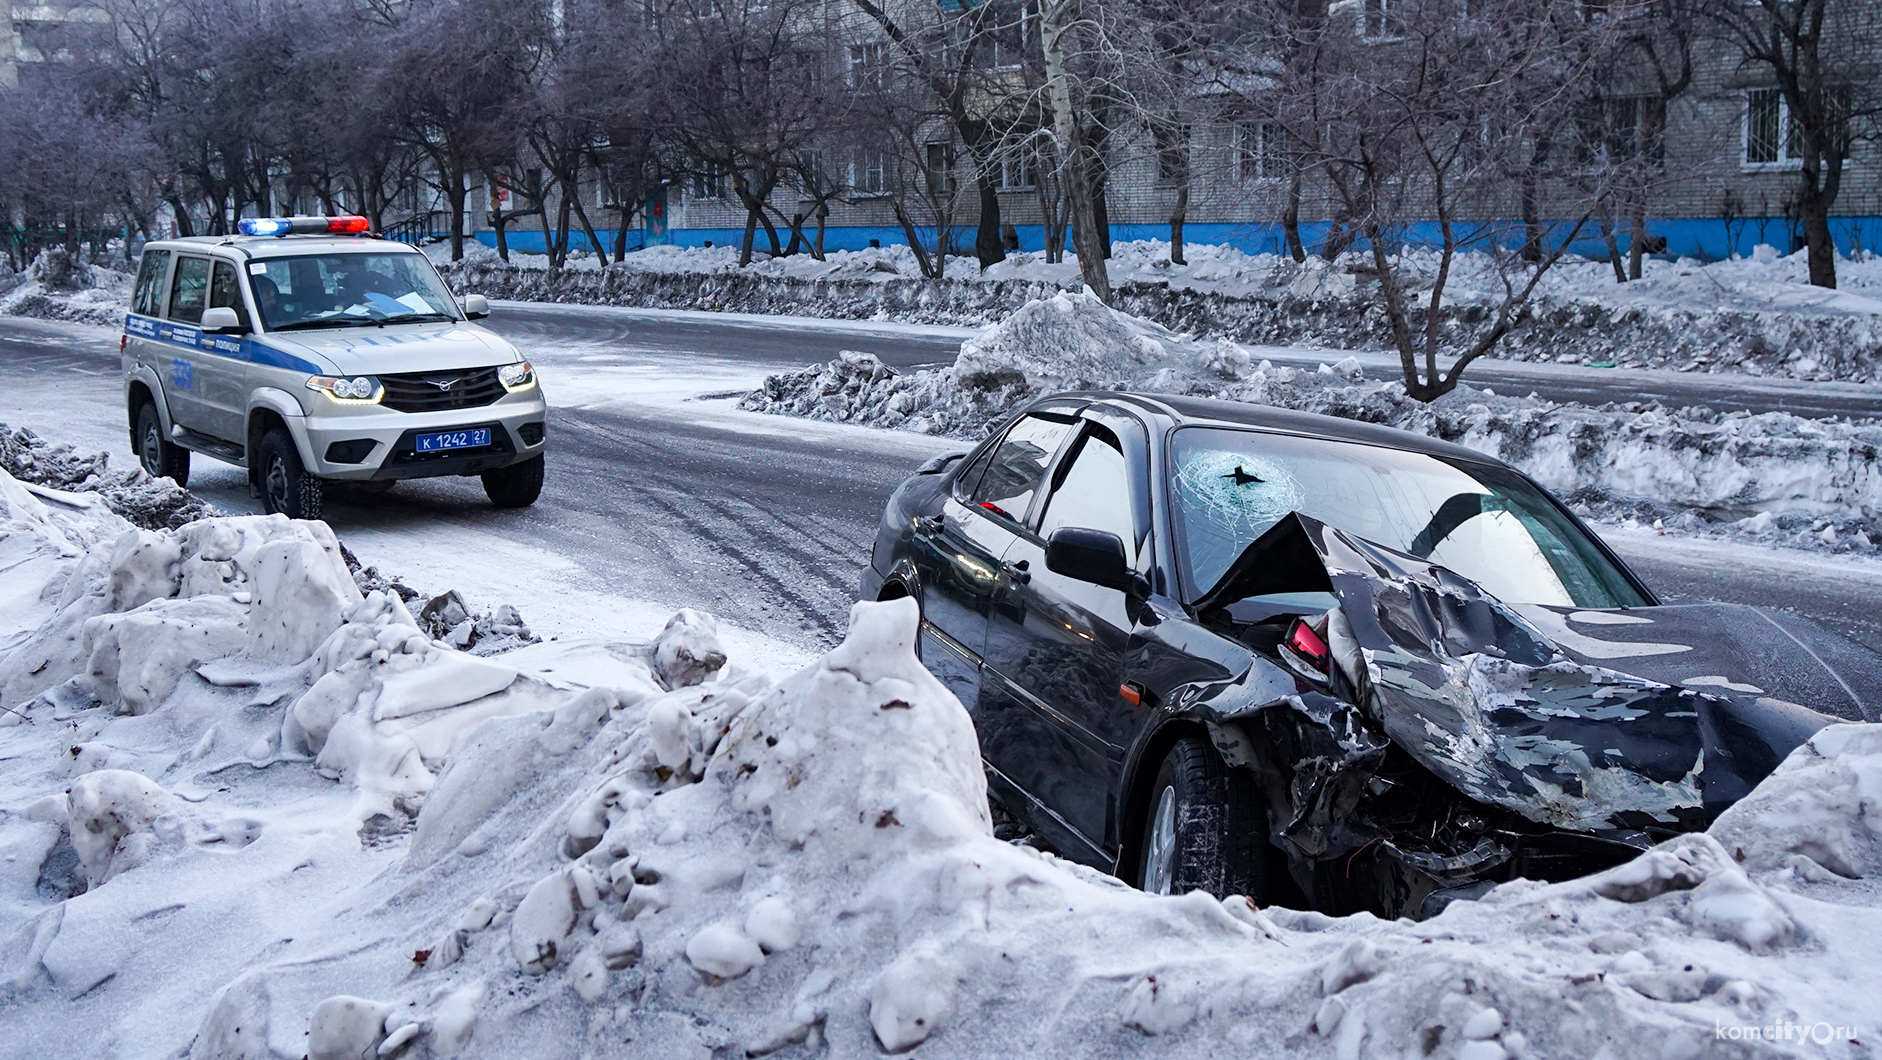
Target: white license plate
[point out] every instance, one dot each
(442, 440)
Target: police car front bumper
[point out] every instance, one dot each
(371, 442)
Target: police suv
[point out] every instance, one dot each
(308, 353)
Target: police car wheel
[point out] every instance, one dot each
(286, 487)
(516, 486)
(159, 457)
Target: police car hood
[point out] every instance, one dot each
(398, 348)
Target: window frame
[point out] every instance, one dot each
(1022, 523)
(1784, 159)
(1062, 467)
(176, 274)
(159, 291)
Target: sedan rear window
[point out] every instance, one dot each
(1485, 523)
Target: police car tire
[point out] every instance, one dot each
(170, 461)
(516, 486)
(306, 494)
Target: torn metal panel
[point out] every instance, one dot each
(1476, 691)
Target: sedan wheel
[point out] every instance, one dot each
(1206, 831)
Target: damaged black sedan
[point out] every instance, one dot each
(1325, 664)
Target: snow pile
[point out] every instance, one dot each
(698, 862)
(151, 503)
(1773, 477)
(1757, 315)
(55, 286)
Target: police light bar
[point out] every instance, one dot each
(350, 225)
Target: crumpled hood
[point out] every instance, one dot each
(1581, 720)
(397, 348)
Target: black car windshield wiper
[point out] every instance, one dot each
(414, 318)
(326, 322)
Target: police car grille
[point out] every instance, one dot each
(466, 388)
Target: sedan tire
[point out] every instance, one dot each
(158, 455)
(286, 487)
(1204, 828)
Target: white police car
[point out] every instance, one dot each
(309, 352)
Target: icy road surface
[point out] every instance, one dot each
(656, 492)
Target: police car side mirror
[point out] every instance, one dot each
(221, 318)
(476, 307)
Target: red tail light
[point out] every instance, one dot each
(1307, 644)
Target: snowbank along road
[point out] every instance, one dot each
(660, 491)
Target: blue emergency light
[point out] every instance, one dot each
(350, 225)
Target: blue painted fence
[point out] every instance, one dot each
(1705, 238)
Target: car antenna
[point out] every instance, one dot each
(1242, 478)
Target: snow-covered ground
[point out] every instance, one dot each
(249, 812)
(1772, 478)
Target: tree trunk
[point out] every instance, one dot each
(751, 230)
(458, 193)
(1290, 220)
(1100, 206)
(1614, 250)
(797, 235)
(988, 246)
(1054, 21)
(823, 218)
(1177, 217)
(1636, 234)
(1813, 209)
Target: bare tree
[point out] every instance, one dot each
(1819, 60)
(1408, 116)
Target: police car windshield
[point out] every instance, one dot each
(347, 290)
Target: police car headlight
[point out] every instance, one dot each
(518, 376)
(355, 390)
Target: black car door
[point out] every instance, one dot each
(957, 549)
(1058, 645)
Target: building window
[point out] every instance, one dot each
(1375, 18)
(1016, 169)
(709, 181)
(1771, 138)
(1260, 150)
(938, 167)
(867, 66)
(1172, 153)
(869, 171)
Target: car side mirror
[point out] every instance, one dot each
(476, 306)
(220, 319)
(1094, 556)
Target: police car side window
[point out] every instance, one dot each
(188, 289)
(225, 293)
(148, 298)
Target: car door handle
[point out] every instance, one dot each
(1017, 572)
(923, 524)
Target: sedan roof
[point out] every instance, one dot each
(1213, 412)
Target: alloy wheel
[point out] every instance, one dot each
(1160, 859)
(151, 452)
(276, 485)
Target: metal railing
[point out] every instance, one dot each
(419, 228)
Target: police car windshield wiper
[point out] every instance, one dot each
(326, 322)
(414, 318)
